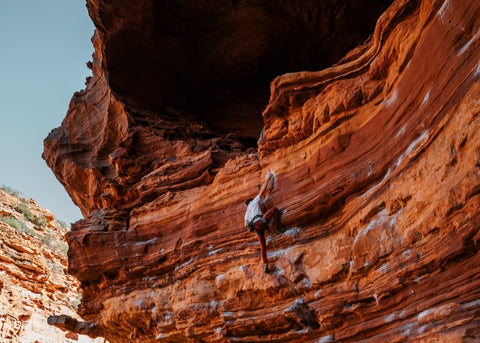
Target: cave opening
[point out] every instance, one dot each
(216, 59)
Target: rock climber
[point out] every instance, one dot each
(258, 217)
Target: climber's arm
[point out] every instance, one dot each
(265, 184)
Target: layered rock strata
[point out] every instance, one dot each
(377, 176)
(33, 275)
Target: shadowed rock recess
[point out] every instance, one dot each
(371, 122)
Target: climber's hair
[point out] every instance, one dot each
(248, 201)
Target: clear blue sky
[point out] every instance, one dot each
(44, 49)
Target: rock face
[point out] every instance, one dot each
(377, 163)
(34, 282)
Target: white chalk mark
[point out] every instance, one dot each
(467, 45)
(426, 98)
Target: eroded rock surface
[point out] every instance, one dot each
(33, 275)
(377, 163)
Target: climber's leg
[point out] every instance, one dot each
(259, 228)
(273, 215)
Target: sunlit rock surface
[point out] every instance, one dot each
(377, 163)
(33, 275)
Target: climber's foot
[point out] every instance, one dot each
(265, 268)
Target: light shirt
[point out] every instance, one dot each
(253, 209)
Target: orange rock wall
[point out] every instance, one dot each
(377, 174)
(33, 279)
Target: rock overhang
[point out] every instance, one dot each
(216, 59)
(162, 255)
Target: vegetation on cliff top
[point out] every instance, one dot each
(25, 219)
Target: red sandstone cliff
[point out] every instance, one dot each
(33, 279)
(377, 161)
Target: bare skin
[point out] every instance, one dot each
(268, 214)
(265, 191)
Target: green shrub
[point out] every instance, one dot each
(47, 240)
(23, 208)
(57, 246)
(14, 192)
(61, 247)
(20, 226)
(11, 191)
(17, 225)
(62, 223)
(40, 221)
